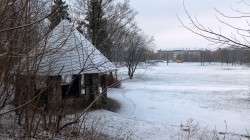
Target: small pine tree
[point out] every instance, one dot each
(96, 27)
(59, 12)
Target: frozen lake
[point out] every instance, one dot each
(213, 95)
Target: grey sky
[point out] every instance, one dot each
(158, 18)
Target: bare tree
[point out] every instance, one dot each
(135, 52)
(104, 22)
(241, 35)
(23, 38)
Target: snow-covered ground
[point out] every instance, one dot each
(162, 97)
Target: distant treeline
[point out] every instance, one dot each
(225, 55)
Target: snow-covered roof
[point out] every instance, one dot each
(69, 52)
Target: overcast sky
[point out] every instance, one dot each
(158, 18)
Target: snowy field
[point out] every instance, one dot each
(162, 97)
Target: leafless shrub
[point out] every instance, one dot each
(240, 36)
(192, 130)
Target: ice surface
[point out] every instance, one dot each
(213, 95)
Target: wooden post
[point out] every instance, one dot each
(104, 85)
(54, 91)
(76, 87)
(18, 89)
(91, 85)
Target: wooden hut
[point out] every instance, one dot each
(75, 70)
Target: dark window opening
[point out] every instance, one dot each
(73, 89)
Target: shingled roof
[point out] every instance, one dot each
(69, 52)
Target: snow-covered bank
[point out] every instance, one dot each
(164, 96)
(121, 127)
